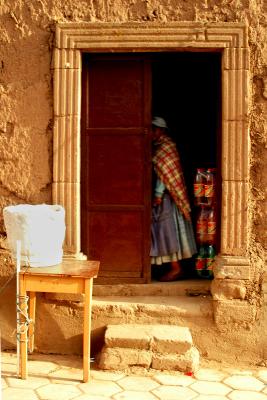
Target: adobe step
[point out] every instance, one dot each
(129, 308)
(163, 347)
(195, 312)
(187, 287)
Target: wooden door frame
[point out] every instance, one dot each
(231, 39)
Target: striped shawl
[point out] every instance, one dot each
(167, 166)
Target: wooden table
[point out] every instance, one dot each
(72, 276)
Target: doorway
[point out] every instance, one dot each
(186, 91)
(121, 92)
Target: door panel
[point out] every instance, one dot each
(117, 88)
(118, 170)
(115, 173)
(118, 234)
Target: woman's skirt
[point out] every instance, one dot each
(172, 235)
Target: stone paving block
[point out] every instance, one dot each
(9, 368)
(210, 375)
(244, 383)
(262, 375)
(237, 371)
(100, 388)
(69, 376)
(187, 362)
(119, 358)
(8, 357)
(137, 383)
(91, 397)
(41, 367)
(32, 382)
(210, 388)
(18, 394)
(106, 375)
(134, 395)
(246, 395)
(205, 385)
(174, 380)
(211, 397)
(62, 360)
(171, 339)
(129, 336)
(174, 393)
(55, 391)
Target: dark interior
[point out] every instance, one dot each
(186, 91)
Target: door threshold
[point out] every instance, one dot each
(185, 287)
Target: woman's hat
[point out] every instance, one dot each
(160, 122)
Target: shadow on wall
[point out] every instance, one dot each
(97, 340)
(59, 327)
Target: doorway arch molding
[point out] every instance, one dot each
(231, 39)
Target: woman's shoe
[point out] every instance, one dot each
(172, 276)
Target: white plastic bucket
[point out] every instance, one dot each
(41, 230)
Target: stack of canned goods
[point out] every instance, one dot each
(205, 201)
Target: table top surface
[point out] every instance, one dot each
(68, 268)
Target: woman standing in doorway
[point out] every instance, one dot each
(172, 231)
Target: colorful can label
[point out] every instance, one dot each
(209, 190)
(211, 227)
(200, 263)
(199, 189)
(201, 227)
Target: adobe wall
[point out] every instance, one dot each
(26, 123)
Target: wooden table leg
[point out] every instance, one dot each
(32, 307)
(88, 286)
(23, 337)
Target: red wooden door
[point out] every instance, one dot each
(115, 186)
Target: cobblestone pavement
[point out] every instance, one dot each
(59, 378)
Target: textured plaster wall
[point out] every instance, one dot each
(26, 97)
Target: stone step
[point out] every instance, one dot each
(187, 287)
(196, 313)
(170, 307)
(150, 346)
(159, 338)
